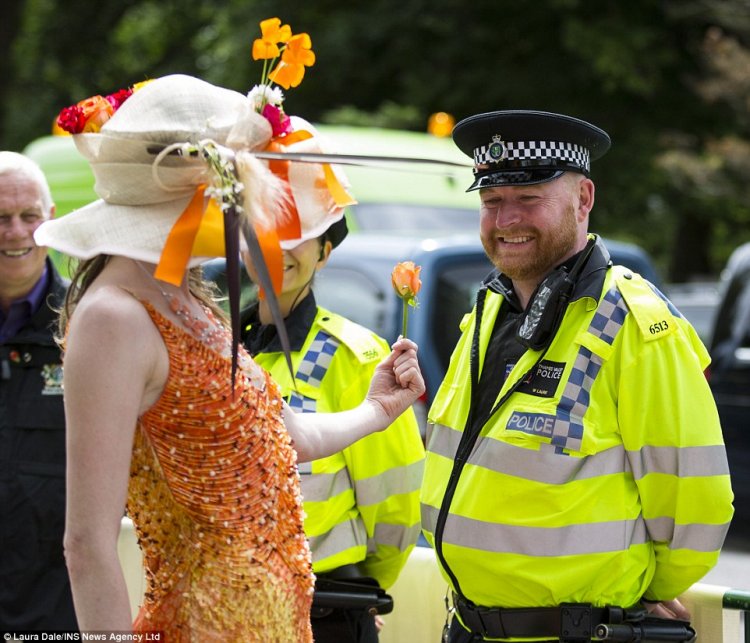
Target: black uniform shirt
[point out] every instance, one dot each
(504, 349)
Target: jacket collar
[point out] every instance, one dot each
(263, 338)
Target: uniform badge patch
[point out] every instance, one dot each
(52, 374)
(543, 382)
(497, 148)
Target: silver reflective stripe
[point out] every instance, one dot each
(597, 537)
(400, 536)
(685, 461)
(396, 481)
(443, 440)
(429, 517)
(322, 486)
(347, 534)
(698, 537)
(543, 466)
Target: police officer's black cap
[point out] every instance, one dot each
(337, 232)
(522, 147)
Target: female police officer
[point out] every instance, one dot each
(361, 504)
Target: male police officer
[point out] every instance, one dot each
(575, 463)
(34, 586)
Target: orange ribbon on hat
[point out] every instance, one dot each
(198, 231)
(270, 248)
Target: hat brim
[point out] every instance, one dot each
(501, 178)
(121, 230)
(335, 233)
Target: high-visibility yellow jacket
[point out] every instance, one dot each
(362, 504)
(608, 484)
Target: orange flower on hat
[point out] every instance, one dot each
(272, 33)
(97, 111)
(295, 53)
(406, 283)
(296, 56)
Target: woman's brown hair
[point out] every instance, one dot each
(88, 270)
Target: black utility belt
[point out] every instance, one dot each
(571, 623)
(346, 589)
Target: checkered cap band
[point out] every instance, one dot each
(510, 152)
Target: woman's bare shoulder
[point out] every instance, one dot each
(108, 313)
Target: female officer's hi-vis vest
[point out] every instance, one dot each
(362, 504)
(602, 479)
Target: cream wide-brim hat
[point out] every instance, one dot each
(140, 199)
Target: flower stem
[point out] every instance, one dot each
(405, 318)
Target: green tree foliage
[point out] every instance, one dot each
(666, 78)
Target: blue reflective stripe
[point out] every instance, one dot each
(318, 358)
(609, 316)
(301, 404)
(669, 304)
(574, 401)
(312, 369)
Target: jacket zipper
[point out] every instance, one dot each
(469, 438)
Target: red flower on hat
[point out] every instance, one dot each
(280, 122)
(71, 119)
(90, 114)
(119, 97)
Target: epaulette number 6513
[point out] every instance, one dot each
(658, 327)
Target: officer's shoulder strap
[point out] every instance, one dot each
(361, 341)
(650, 311)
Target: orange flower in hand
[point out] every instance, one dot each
(406, 283)
(296, 56)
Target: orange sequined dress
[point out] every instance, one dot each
(214, 496)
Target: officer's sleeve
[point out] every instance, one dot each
(671, 433)
(386, 471)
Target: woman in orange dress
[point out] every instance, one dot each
(164, 414)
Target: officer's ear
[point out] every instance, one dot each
(325, 252)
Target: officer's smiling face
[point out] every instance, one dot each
(527, 230)
(300, 266)
(21, 212)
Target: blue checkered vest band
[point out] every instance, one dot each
(574, 401)
(516, 153)
(312, 369)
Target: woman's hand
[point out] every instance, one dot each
(397, 382)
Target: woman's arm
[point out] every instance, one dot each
(109, 361)
(396, 385)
